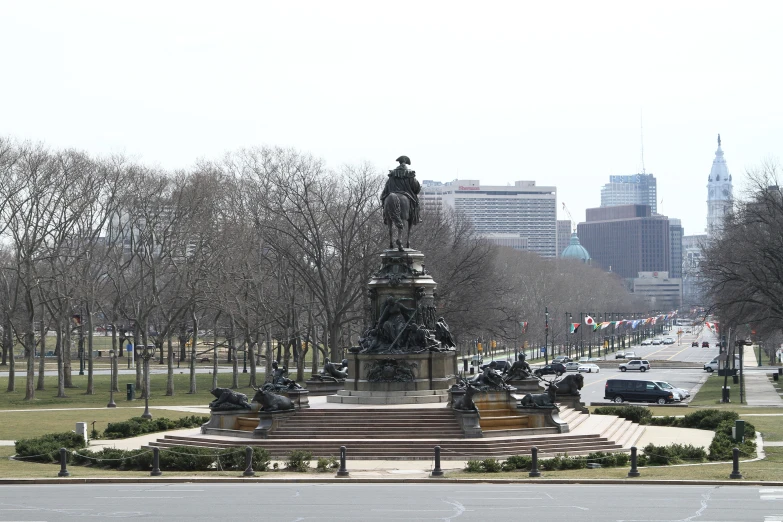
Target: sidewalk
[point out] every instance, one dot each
(759, 391)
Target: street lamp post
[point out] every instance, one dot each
(111, 380)
(546, 335)
(149, 351)
(81, 346)
(244, 359)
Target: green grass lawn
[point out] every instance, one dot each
(76, 397)
(25, 424)
(710, 394)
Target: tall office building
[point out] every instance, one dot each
(720, 192)
(522, 215)
(563, 235)
(636, 189)
(627, 239)
(675, 247)
(692, 294)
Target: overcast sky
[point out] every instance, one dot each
(494, 91)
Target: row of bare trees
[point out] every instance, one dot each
(743, 265)
(265, 249)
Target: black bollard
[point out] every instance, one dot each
(634, 471)
(63, 463)
(534, 468)
(156, 462)
(437, 472)
(735, 473)
(249, 462)
(342, 472)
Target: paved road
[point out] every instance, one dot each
(452, 502)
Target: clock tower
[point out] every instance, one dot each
(720, 192)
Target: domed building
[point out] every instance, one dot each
(575, 250)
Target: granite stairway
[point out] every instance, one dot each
(398, 434)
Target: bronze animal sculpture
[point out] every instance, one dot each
(465, 402)
(271, 401)
(541, 400)
(227, 399)
(401, 201)
(570, 384)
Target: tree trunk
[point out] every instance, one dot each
(311, 336)
(170, 367)
(42, 360)
(8, 340)
(90, 359)
(29, 346)
(232, 348)
(215, 352)
(193, 354)
(59, 350)
(268, 355)
(251, 355)
(66, 348)
(334, 335)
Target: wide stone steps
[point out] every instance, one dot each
(394, 449)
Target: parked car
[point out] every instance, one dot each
(711, 366)
(679, 394)
(550, 369)
(583, 359)
(588, 368)
(619, 355)
(656, 342)
(619, 390)
(637, 364)
(705, 344)
(562, 359)
(695, 344)
(668, 340)
(646, 342)
(630, 355)
(572, 366)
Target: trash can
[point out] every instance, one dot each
(726, 396)
(130, 390)
(775, 376)
(735, 378)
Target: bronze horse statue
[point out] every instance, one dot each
(401, 202)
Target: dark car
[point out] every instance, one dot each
(620, 390)
(695, 343)
(550, 369)
(705, 344)
(500, 366)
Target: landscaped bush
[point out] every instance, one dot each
(609, 460)
(673, 454)
(665, 421)
(233, 459)
(638, 414)
(708, 419)
(299, 460)
(47, 447)
(325, 464)
(474, 466)
(491, 465)
(722, 445)
(139, 426)
(518, 462)
(140, 459)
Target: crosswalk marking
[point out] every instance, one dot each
(771, 494)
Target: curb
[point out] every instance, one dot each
(349, 480)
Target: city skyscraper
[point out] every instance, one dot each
(635, 189)
(675, 239)
(720, 192)
(522, 215)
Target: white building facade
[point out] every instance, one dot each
(720, 192)
(522, 210)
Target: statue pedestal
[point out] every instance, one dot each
(402, 372)
(299, 397)
(572, 401)
(324, 387)
(269, 421)
(525, 386)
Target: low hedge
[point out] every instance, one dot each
(671, 454)
(138, 426)
(47, 447)
(175, 458)
(525, 462)
(638, 414)
(722, 445)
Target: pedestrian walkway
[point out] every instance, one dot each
(759, 391)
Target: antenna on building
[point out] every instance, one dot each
(573, 223)
(641, 137)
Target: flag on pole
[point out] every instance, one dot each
(589, 321)
(574, 327)
(596, 326)
(523, 326)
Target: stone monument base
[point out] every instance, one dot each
(392, 397)
(402, 372)
(318, 387)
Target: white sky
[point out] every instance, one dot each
(496, 91)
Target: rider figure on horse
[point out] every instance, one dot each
(402, 181)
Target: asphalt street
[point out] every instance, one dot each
(448, 502)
